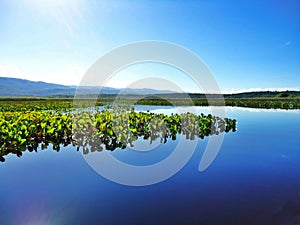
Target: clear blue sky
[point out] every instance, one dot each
(247, 44)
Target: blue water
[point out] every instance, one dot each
(255, 179)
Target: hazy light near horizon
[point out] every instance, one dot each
(233, 91)
(70, 75)
(9, 70)
(153, 75)
(137, 76)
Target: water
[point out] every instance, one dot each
(253, 180)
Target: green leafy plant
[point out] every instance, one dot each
(30, 126)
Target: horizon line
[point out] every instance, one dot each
(225, 91)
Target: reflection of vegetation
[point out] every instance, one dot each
(118, 129)
(29, 126)
(25, 130)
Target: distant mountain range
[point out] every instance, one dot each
(12, 87)
(18, 87)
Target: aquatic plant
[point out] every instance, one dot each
(29, 104)
(23, 129)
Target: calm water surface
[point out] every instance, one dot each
(255, 179)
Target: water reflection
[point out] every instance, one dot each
(250, 183)
(289, 213)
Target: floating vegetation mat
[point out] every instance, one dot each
(109, 129)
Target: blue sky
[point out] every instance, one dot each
(248, 45)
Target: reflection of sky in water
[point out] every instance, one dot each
(170, 109)
(254, 178)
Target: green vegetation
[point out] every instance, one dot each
(264, 99)
(268, 103)
(35, 104)
(264, 94)
(118, 128)
(28, 125)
